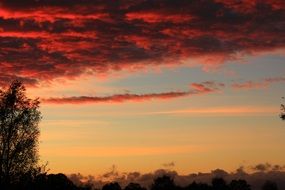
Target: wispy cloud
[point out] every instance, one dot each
(222, 111)
(197, 89)
(264, 83)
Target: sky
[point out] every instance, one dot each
(147, 84)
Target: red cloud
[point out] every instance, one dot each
(44, 40)
(114, 98)
(197, 88)
(157, 17)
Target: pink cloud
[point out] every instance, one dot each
(196, 89)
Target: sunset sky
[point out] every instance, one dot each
(190, 85)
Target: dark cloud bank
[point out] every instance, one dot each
(47, 39)
(257, 176)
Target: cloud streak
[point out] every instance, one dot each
(221, 111)
(115, 98)
(45, 40)
(265, 83)
(197, 89)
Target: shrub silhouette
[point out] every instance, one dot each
(134, 186)
(112, 186)
(198, 186)
(52, 181)
(269, 185)
(219, 184)
(163, 183)
(19, 132)
(239, 185)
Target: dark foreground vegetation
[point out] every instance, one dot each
(61, 182)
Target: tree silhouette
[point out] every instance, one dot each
(52, 181)
(19, 118)
(134, 186)
(112, 186)
(219, 184)
(198, 186)
(163, 183)
(239, 185)
(282, 115)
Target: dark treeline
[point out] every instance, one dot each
(45, 181)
